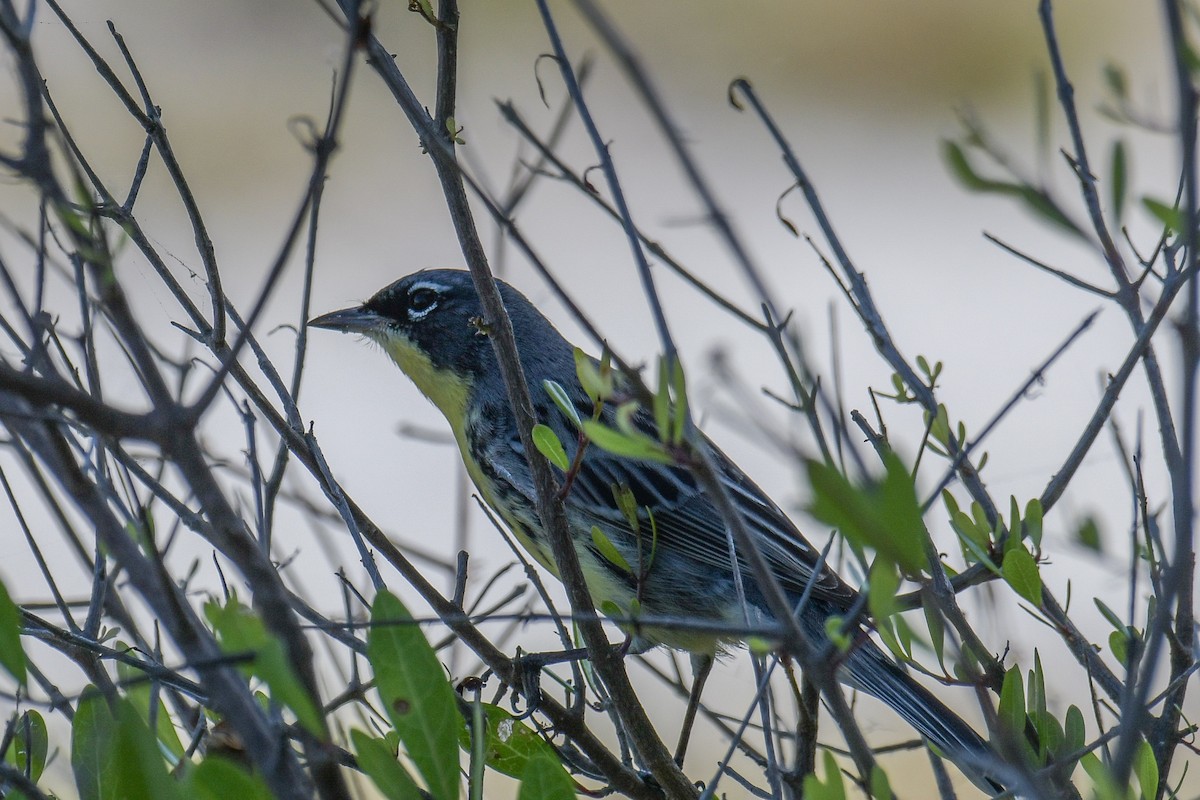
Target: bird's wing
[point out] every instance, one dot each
(688, 523)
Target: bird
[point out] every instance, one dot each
(432, 325)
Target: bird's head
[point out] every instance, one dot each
(432, 325)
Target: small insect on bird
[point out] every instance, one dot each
(430, 323)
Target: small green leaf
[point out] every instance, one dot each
(832, 788)
(510, 743)
(12, 656)
(30, 743)
(559, 395)
(835, 634)
(627, 503)
(1036, 689)
(1170, 216)
(662, 400)
(1118, 642)
(1034, 199)
(139, 694)
(608, 551)
(950, 503)
(1109, 614)
(1103, 785)
(137, 762)
(241, 632)
(547, 443)
(1011, 711)
(1146, 769)
(1118, 180)
(679, 390)
(545, 779)
(1088, 535)
(937, 632)
(1075, 732)
(881, 789)
(424, 8)
(220, 779)
(611, 609)
(882, 585)
(1020, 570)
(379, 762)
(597, 383)
(883, 514)
(956, 159)
(1033, 521)
(92, 732)
(624, 420)
(760, 646)
(1049, 733)
(638, 448)
(1118, 84)
(416, 694)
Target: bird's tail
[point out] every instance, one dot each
(868, 669)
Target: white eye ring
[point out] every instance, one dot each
(421, 300)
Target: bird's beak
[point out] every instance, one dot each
(349, 320)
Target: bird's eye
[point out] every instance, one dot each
(421, 302)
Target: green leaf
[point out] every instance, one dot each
(1109, 614)
(1088, 535)
(424, 8)
(1118, 180)
(831, 788)
(679, 390)
(1170, 216)
(1118, 84)
(379, 762)
(608, 551)
(1036, 688)
(509, 744)
(596, 381)
(559, 395)
(1146, 769)
(12, 657)
(545, 779)
(1075, 732)
(137, 762)
(638, 447)
(937, 632)
(1049, 732)
(881, 789)
(884, 514)
(882, 585)
(92, 732)
(240, 631)
(139, 694)
(1118, 642)
(1011, 711)
(835, 634)
(29, 745)
(416, 694)
(1020, 570)
(1034, 199)
(1033, 521)
(627, 503)
(662, 400)
(220, 779)
(956, 159)
(547, 443)
(1103, 785)
(1040, 204)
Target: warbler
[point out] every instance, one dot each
(432, 326)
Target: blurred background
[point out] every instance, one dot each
(866, 91)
